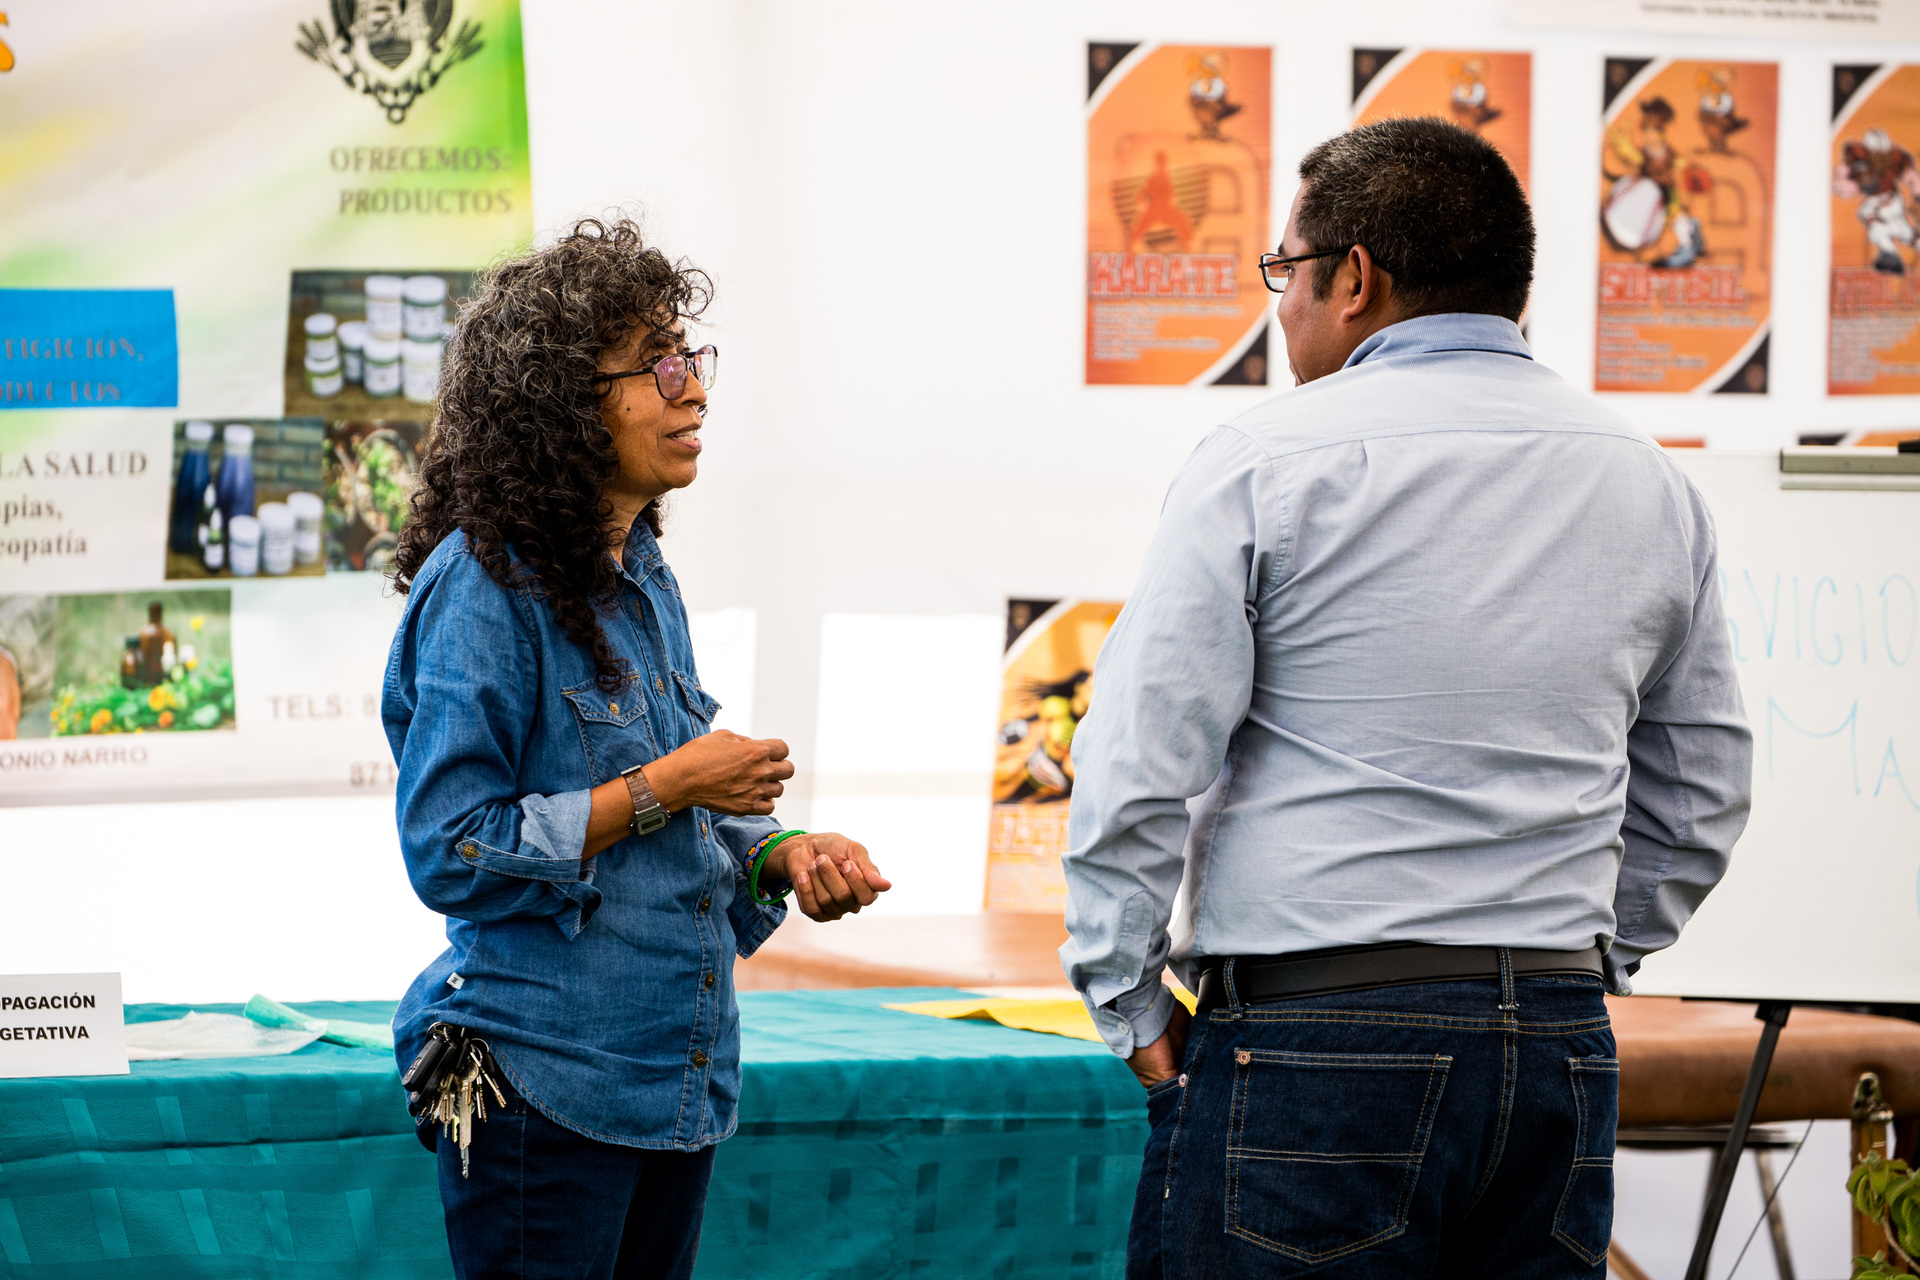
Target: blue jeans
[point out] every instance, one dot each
(542, 1202)
(1396, 1132)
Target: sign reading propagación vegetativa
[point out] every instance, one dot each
(224, 294)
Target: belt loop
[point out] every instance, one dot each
(1508, 1002)
(1233, 993)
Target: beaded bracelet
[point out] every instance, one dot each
(758, 859)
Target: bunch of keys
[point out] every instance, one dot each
(445, 1082)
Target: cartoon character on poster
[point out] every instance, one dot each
(1651, 196)
(1468, 98)
(1179, 158)
(1487, 92)
(1686, 226)
(1874, 318)
(1046, 689)
(1881, 175)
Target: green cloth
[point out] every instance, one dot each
(355, 1035)
(872, 1143)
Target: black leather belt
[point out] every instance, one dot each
(1259, 979)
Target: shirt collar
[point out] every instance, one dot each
(1452, 331)
(641, 555)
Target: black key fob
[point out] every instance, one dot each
(423, 1071)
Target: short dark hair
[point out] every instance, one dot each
(1436, 205)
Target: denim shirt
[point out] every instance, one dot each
(605, 985)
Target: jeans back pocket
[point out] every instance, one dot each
(1324, 1149)
(1584, 1220)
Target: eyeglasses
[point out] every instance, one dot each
(670, 372)
(1276, 270)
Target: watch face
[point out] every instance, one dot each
(649, 820)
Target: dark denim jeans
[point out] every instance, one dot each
(542, 1202)
(1425, 1131)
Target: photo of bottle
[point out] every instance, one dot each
(238, 467)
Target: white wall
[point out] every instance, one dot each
(890, 198)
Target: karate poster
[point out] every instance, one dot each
(1046, 688)
(1179, 172)
(230, 261)
(1873, 338)
(1686, 225)
(1488, 93)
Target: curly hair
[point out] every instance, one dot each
(519, 455)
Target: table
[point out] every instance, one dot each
(917, 1147)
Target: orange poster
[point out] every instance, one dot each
(1489, 93)
(1686, 225)
(1873, 334)
(1046, 687)
(1179, 165)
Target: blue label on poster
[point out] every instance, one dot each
(88, 349)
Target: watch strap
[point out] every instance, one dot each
(648, 814)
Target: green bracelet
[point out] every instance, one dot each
(759, 859)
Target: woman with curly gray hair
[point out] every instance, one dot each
(599, 850)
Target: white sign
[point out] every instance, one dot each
(1802, 19)
(61, 1024)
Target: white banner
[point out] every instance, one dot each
(1795, 19)
(233, 250)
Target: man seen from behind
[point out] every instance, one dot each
(1419, 731)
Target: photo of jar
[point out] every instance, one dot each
(371, 470)
(225, 472)
(365, 345)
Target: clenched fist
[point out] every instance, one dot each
(722, 771)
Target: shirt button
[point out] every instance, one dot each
(699, 1058)
(613, 708)
(705, 903)
(703, 828)
(658, 687)
(468, 851)
(709, 982)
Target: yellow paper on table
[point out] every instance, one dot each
(1050, 1017)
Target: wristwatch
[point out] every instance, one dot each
(648, 815)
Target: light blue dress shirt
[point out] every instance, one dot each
(1427, 650)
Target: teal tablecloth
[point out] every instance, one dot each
(872, 1143)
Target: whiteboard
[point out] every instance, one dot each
(1822, 594)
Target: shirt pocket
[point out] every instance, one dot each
(614, 732)
(701, 705)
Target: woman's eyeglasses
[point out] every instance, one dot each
(670, 372)
(1277, 271)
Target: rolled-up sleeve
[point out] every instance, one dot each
(461, 698)
(1690, 755)
(753, 922)
(1173, 683)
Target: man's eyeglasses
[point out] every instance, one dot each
(1276, 270)
(670, 372)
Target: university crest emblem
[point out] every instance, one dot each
(391, 50)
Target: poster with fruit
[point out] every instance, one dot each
(1046, 688)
